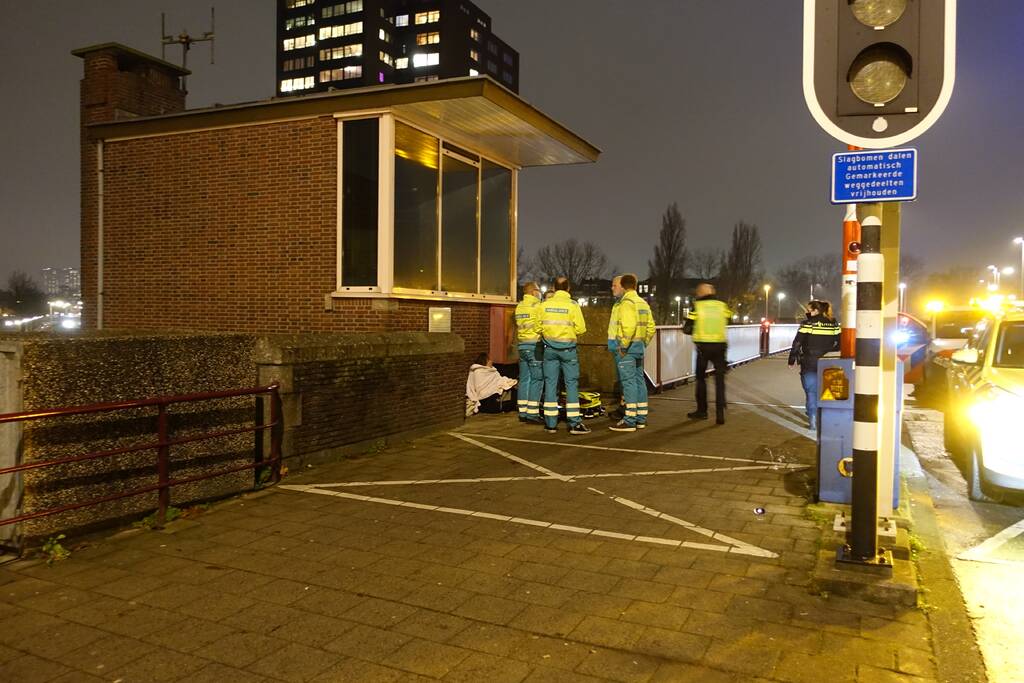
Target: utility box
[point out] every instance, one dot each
(835, 431)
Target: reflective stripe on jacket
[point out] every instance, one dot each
(561, 320)
(816, 337)
(528, 320)
(707, 320)
(635, 320)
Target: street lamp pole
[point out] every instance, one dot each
(1020, 242)
(678, 319)
(767, 288)
(778, 311)
(903, 297)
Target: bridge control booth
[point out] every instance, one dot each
(835, 430)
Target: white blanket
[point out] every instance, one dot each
(484, 381)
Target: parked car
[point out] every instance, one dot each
(985, 415)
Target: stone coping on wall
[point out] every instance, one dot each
(309, 348)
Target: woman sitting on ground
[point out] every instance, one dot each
(486, 390)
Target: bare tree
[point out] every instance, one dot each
(575, 260)
(812, 277)
(525, 266)
(704, 263)
(668, 268)
(26, 296)
(741, 266)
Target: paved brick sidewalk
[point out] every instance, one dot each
(569, 568)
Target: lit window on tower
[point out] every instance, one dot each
(428, 17)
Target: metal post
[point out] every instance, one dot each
(863, 541)
(276, 433)
(163, 467)
(889, 400)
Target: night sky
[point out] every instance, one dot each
(693, 101)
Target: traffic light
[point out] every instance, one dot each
(878, 73)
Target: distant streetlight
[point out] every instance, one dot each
(767, 288)
(903, 297)
(679, 300)
(1019, 241)
(778, 311)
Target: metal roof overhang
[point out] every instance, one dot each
(475, 112)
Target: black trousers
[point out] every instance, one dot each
(713, 353)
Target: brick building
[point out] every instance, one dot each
(368, 235)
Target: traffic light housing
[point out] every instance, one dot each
(878, 73)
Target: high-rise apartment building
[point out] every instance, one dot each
(324, 44)
(62, 282)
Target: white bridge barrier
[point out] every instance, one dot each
(672, 356)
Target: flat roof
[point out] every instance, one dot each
(131, 52)
(474, 111)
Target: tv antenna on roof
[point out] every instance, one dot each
(186, 41)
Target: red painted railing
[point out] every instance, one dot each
(162, 446)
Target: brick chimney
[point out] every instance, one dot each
(118, 83)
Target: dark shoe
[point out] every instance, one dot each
(697, 415)
(532, 421)
(617, 415)
(623, 426)
(579, 428)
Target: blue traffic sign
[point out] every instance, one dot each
(884, 175)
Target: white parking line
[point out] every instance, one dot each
(504, 454)
(979, 553)
(735, 547)
(561, 444)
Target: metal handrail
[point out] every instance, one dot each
(162, 445)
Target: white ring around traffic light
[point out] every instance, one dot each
(896, 140)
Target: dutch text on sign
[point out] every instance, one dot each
(874, 176)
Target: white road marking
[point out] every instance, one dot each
(560, 444)
(565, 478)
(740, 549)
(979, 553)
(504, 454)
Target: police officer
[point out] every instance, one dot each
(531, 371)
(635, 331)
(818, 335)
(707, 322)
(561, 324)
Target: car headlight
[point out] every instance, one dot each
(997, 414)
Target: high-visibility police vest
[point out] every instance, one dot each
(710, 318)
(528, 320)
(636, 323)
(561, 320)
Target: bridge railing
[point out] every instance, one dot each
(672, 356)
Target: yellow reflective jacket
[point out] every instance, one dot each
(528, 320)
(613, 326)
(635, 320)
(561, 320)
(708, 320)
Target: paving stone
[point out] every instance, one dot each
(637, 589)
(368, 642)
(216, 606)
(52, 642)
(871, 674)
(703, 600)
(31, 669)
(189, 635)
(589, 581)
(429, 625)
(545, 675)
(479, 667)
(294, 663)
(24, 624)
(490, 638)
(159, 666)
(673, 645)
(607, 632)
(547, 620)
(799, 667)
(542, 594)
(359, 671)
(130, 586)
(654, 614)
(752, 654)
(240, 649)
(489, 608)
(558, 653)
(426, 658)
(626, 667)
(314, 630)
(23, 588)
(675, 672)
(599, 605)
(219, 673)
(101, 657)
